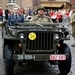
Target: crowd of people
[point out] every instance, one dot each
(59, 15)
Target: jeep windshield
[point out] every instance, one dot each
(33, 25)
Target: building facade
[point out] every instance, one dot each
(27, 3)
(72, 2)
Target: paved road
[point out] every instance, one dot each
(42, 68)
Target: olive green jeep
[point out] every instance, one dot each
(29, 41)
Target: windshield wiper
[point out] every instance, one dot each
(38, 24)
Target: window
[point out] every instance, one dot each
(11, 1)
(51, 0)
(68, 0)
(36, 2)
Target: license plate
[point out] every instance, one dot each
(57, 57)
(27, 57)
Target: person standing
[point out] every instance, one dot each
(29, 11)
(51, 13)
(21, 11)
(40, 17)
(72, 22)
(6, 12)
(15, 16)
(1, 13)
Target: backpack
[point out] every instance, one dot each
(1, 12)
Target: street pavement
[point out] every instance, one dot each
(42, 68)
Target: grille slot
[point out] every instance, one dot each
(43, 41)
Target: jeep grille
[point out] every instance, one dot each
(43, 41)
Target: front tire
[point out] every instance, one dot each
(64, 66)
(8, 60)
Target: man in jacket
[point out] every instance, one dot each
(72, 22)
(6, 12)
(15, 16)
(41, 17)
(1, 13)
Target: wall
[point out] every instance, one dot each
(27, 3)
(62, 0)
(72, 2)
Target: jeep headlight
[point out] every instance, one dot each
(21, 35)
(56, 36)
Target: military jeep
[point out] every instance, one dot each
(29, 41)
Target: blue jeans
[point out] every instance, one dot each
(1, 17)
